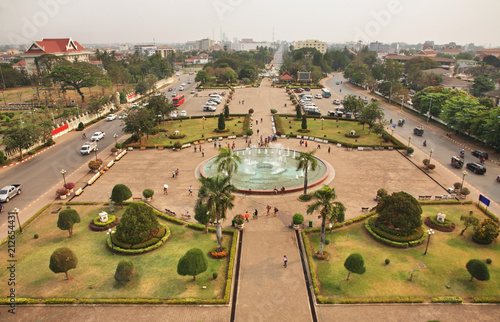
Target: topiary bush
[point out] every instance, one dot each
(177, 145)
(488, 261)
(125, 271)
(410, 150)
(387, 261)
(120, 193)
(298, 218)
(148, 193)
(62, 260)
(137, 225)
(215, 275)
(194, 262)
(486, 233)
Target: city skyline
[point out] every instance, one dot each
(386, 21)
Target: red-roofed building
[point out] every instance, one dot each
(286, 77)
(61, 47)
(20, 66)
(427, 52)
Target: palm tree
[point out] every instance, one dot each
(216, 194)
(328, 209)
(228, 161)
(306, 160)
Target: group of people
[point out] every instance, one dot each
(282, 190)
(202, 151)
(175, 173)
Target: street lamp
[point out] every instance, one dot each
(409, 139)
(95, 151)
(116, 139)
(322, 119)
(390, 94)
(430, 232)
(464, 173)
(203, 122)
(411, 275)
(16, 211)
(430, 155)
(63, 172)
(109, 233)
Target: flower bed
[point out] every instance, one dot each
(96, 225)
(447, 227)
(215, 254)
(325, 255)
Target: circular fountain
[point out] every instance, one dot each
(263, 169)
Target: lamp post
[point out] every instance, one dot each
(109, 233)
(16, 211)
(95, 151)
(411, 275)
(409, 140)
(203, 122)
(429, 113)
(402, 101)
(430, 232)
(63, 172)
(116, 139)
(464, 173)
(430, 155)
(322, 119)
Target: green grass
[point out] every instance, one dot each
(443, 265)
(333, 130)
(94, 276)
(193, 129)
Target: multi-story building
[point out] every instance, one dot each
(204, 44)
(145, 50)
(61, 47)
(311, 43)
(165, 51)
(247, 44)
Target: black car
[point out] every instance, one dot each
(170, 89)
(374, 99)
(480, 154)
(476, 168)
(308, 89)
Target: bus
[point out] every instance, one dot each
(178, 100)
(325, 92)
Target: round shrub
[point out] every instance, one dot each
(298, 218)
(250, 111)
(488, 261)
(465, 191)
(148, 193)
(250, 132)
(134, 137)
(118, 145)
(36, 237)
(327, 241)
(431, 166)
(125, 271)
(177, 145)
(215, 275)
(410, 150)
(387, 261)
(138, 224)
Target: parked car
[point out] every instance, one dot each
(192, 91)
(88, 147)
(308, 89)
(480, 154)
(110, 117)
(174, 94)
(211, 103)
(209, 108)
(366, 101)
(173, 114)
(170, 89)
(374, 99)
(183, 84)
(318, 96)
(336, 102)
(97, 136)
(181, 88)
(298, 90)
(476, 168)
(9, 192)
(189, 81)
(183, 113)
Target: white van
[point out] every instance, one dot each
(217, 96)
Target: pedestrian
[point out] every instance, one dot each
(190, 190)
(239, 102)
(243, 102)
(247, 215)
(177, 172)
(261, 120)
(173, 173)
(390, 121)
(195, 149)
(220, 145)
(255, 214)
(203, 153)
(165, 189)
(285, 104)
(305, 144)
(329, 149)
(256, 122)
(215, 144)
(285, 260)
(319, 146)
(275, 211)
(268, 210)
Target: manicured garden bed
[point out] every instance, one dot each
(441, 272)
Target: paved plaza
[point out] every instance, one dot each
(267, 291)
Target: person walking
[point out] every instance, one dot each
(328, 149)
(165, 189)
(190, 190)
(285, 260)
(255, 214)
(173, 173)
(247, 215)
(268, 210)
(275, 211)
(203, 153)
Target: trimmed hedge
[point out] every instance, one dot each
(121, 248)
(446, 299)
(310, 260)
(488, 213)
(447, 227)
(348, 300)
(359, 218)
(486, 299)
(387, 233)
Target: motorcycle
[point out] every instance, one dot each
(462, 154)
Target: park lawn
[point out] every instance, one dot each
(194, 131)
(94, 275)
(443, 265)
(334, 130)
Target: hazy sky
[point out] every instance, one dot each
(172, 21)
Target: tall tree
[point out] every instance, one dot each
(160, 105)
(217, 194)
(482, 84)
(372, 113)
(139, 122)
(306, 161)
(17, 139)
(329, 209)
(353, 104)
(76, 76)
(227, 162)
(120, 193)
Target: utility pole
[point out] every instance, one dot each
(3, 87)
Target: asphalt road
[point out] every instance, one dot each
(41, 173)
(443, 147)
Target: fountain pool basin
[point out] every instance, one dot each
(263, 169)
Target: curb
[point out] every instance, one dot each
(28, 158)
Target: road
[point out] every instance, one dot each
(443, 147)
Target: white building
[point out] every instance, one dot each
(311, 43)
(145, 50)
(249, 44)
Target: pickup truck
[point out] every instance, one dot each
(9, 192)
(97, 136)
(88, 147)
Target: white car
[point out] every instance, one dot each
(183, 84)
(192, 91)
(210, 103)
(318, 96)
(336, 102)
(174, 94)
(110, 117)
(181, 88)
(173, 114)
(189, 81)
(97, 136)
(209, 108)
(176, 74)
(184, 113)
